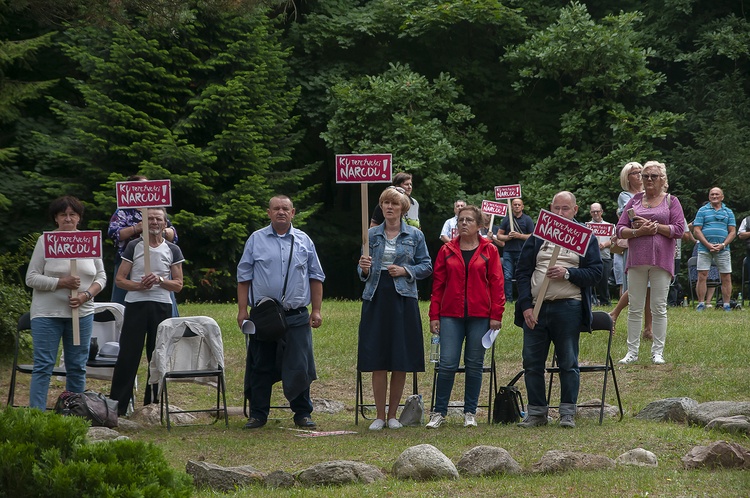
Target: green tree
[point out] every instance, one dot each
(205, 104)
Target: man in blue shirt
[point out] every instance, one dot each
(261, 273)
(514, 235)
(715, 228)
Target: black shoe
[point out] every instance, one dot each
(254, 423)
(305, 423)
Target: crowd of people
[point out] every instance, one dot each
(476, 272)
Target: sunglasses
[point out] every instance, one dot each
(651, 177)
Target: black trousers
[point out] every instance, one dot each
(140, 324)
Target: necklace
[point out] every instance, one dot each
(650, 203)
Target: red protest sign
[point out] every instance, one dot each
(507, 192)
(562, 232)
(84, 244)
(363, 168)
(496, 208)
(145, 194)
(601, 229)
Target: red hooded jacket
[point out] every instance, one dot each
(483, 290)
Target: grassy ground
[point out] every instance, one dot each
(706, 360)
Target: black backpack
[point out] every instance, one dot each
(508, 405)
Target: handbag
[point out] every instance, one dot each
(508, 405)
(618, 246)
(413, 412)
(268, 314)
(93, 406)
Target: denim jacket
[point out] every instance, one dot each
(411, 253)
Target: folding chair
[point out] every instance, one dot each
(602, 321)
(359, 403)
(24, 325)
(189, 349)
(744, 291)
(693, 277)
(486, 369)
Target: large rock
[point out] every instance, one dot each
(668, 410)
(96, 434)
(706, 412)
(150, 415)
(720, 454)
(486, 460)
(423, 462)
(339, 472)
(638, 457)
(209, 475)
(557, 461)
(279, 479)
(739, 424)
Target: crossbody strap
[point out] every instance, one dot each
(286, 277)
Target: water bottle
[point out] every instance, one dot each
(93, 349)
(684, 302)
(435, 348)
(739, 298)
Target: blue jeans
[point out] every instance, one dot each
(559, 323)
(510, 261)
(453, 333)
(46, 334)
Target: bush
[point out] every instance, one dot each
(14, 298)
(45, 454)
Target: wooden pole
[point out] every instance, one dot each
(365, 220)
(73, 293)
(511, 221)
(489, 230)
(545, 283)
(144, 234)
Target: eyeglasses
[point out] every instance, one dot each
(651, 177)
(466, 220)
(398, 189)
(596, 211)
(635, 173)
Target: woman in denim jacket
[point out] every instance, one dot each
(390, 329)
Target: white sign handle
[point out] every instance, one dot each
(74, 293)
(511, 221)
(365, 220)
(545, 282)
(489, 230)
(144, 234)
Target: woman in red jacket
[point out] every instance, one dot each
(467, 299)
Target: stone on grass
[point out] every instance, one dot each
(720, 454)
(487, 460)
(339, 472)
(209, 475)
(638, 457)
(739, 424)
(558, 461)
(668, 410)
(591, 410)
(279, 479)
(96, 434)
(423, 462)
(150, 415)
(706, 412)
(330, 406)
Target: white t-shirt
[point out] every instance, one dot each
(162, 258)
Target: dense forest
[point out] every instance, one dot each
(235, 100)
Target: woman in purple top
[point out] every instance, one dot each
(653, 226)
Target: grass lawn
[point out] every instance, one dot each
(707, 360)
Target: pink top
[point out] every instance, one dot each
(653, 250)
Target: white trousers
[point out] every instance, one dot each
(638, 279)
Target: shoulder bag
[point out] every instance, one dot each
(268, 315)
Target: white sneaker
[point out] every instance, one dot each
(436, 419)
(658, 359)
(629, 358)
(377, 424)
(394, 424)
(470, 419)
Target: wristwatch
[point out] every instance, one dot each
(567, 275)
(161, 279)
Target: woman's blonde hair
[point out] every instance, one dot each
(662, 171)
(625, 174)
(397, 195)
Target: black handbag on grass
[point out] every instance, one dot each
(508, 405)
(93, 406)
(268, 314)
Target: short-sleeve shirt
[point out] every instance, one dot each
(714, 224)
(162, 259)
(524, 224)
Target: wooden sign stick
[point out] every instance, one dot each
(365, 220)
(492, 222)
(545, 282)
(73, 293)
(511, 221)
(144, 234)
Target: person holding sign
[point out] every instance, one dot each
(51, 305)
(602, 288)
(147, 304)
(564, 312)
(651, 222)
(467, 300)
(513, 235)
(390, 328)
